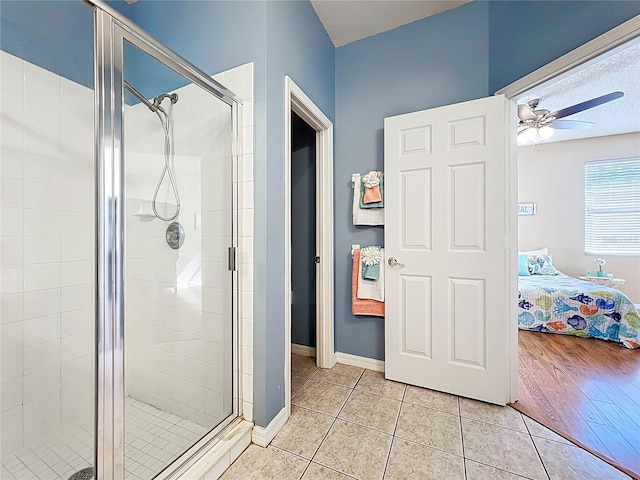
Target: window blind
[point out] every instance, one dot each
(612, 207)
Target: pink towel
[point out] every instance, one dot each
(361, 306)
(372, 194)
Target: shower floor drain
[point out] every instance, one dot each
(84, 474)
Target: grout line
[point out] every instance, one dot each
(310, 462)
(313, 411)
(519, 475)
(361, 390)
(386, 463)
(335, 383)
(353, 422)
(393, 435)
(349, 396)
(304, 384)
(334, 470)
(289, 453)
(305, 468)
(324, 438)
(464, 456)
(436, 410)
(488, 423)
(428, 446)
(335, 419)
(395, 427)
(535, 446)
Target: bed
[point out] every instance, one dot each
(566, 305)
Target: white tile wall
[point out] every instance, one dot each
(46, 192)
(179, 302)
(245, 245)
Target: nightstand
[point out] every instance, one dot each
(604, 281)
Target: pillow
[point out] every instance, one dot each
(542, 251)
(541, 265)
(523, 265)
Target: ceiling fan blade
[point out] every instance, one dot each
(594, 102)
(570, 124)
(525, 113)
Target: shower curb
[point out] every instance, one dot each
(214, 462)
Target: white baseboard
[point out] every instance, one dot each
(303, 350)
(263, 435)
(362, 362)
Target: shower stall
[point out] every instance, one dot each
(119, 321)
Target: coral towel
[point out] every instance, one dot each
(371, 184)
(360, 306)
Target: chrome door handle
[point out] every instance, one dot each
(394, 263)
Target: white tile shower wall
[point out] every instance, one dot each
(47, 263)
(179, 301)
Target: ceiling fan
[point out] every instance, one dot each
(539, 124)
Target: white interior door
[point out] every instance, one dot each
(448, 224)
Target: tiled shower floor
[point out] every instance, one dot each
(349, 423)
(154, 439)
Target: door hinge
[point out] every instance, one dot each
(232, 259)
(317, 259)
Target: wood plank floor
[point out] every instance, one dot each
(586, 388)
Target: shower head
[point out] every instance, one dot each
(155, 106)
(158, 100)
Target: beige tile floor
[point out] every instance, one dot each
(349, 423)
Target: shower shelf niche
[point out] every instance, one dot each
(145, 211)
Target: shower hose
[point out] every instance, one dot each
(168, 169)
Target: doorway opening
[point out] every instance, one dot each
(303, 237)
(309, 244)
(591, 376)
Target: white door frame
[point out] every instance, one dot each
(601, 45)
(295, 100)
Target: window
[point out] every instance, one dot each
(612, 207)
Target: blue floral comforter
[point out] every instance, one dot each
(563, 304)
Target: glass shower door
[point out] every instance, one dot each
(178, 283)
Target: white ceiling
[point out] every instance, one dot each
(349, 20)
(618, 70)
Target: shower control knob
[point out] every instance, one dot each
(175, 235)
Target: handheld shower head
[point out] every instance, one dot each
(158, 100)
(155, 106)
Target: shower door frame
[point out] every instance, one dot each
(111, 30)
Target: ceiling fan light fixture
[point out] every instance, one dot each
(545, 132)
(539, 124)
(528, 136)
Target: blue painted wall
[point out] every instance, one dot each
(436, 61)
(214, 36)
(55, 35)
(297, 46)
(525, 36)
(303, 232)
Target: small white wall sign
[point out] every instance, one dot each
(526, 209)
